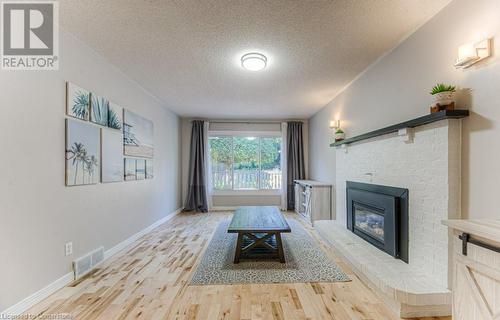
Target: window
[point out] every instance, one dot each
(245, 162)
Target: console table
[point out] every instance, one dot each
(313, 200)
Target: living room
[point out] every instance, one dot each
(250, 160)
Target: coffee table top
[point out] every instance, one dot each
(258, 219)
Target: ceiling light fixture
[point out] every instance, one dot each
(254, 61)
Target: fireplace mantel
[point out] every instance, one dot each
(429, 167)
(433, 117)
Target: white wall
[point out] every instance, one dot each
(38, 213)
(396, 89)
(221, 201)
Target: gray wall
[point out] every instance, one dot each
(39, 214)
(396, 89)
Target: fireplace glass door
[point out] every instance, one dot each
(369, 221)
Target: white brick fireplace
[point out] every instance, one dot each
(429, 167)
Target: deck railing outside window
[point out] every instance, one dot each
(247, 180)
(245, 162)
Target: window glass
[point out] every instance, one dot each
(246, 163)
(221, 160)
(270, 159)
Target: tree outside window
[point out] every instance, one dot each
(245, 163)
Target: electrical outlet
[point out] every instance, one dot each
(69, 248)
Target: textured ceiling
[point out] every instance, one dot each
(187, 52)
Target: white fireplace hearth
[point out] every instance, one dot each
(429, 167)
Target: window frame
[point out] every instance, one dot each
(257, 134)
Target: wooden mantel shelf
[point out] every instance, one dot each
(433, 117)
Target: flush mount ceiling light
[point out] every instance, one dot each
(253, 61)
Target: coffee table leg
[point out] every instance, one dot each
(239, 243)
(279, 244)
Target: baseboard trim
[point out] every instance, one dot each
(125, 243)
(65, 280)
(37, 297)
(228, 208)
(223, 208)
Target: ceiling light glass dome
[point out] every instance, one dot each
(254, 61)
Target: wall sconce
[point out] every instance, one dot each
(334, 124)
(471, 53)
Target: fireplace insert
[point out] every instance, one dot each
(379, 215)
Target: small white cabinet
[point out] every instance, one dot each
(476, 269)
(313, 200)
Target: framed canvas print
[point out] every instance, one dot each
(115, 116)
(77, 102)
(129, 165)
(149, 169)
(82, 153)
(112, 156)
(137, 135)
(99, 108)
(140, 169)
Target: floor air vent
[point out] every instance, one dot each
(85, 264)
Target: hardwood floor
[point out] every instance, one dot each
(149, 281)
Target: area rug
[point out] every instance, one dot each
(305, 261)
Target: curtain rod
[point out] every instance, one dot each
(249, 121)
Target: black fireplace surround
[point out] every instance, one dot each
(379, 215)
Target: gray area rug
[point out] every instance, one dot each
(305, 261)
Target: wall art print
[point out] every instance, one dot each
(99, 110)
(137, 136)
(112, 155)
(140, 169)
(82, 153)
(149, 169)
(77, 102)
(115, 116)
(129, 165)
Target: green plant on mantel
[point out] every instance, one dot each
(441, 87)
(339, 131)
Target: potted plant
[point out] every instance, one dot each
(444, 97)
(339, 135)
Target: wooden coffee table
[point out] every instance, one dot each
(259, 233)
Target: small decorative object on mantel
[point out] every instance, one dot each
(444, 96)
(339, 135)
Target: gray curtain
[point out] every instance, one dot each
(295, 159)
(197, 190)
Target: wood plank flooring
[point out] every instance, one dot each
(149, 280)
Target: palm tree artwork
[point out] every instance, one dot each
(82, 153)
(88, 164)
(115, 116)
(91, 164)
(77, 154)
(99, 110)
(78, 102)
(81, 105)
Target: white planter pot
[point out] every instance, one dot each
(444, 98)
(339, 136)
